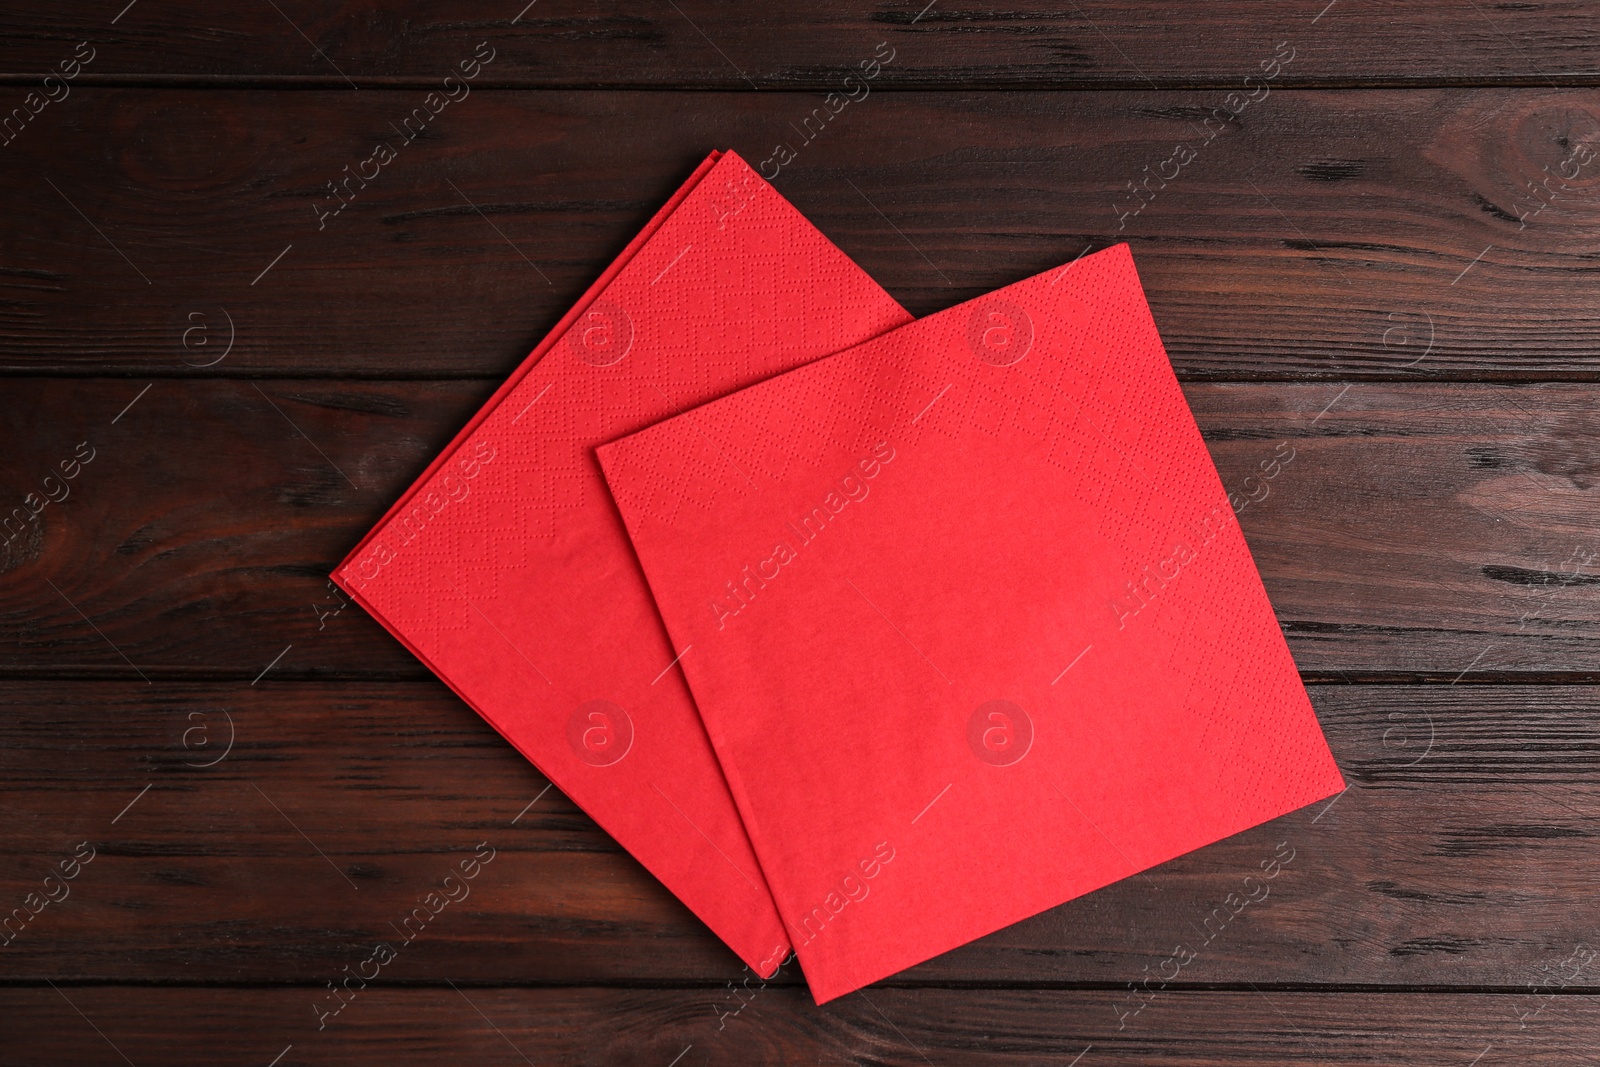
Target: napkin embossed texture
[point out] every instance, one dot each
(507, 568)
(974, 630)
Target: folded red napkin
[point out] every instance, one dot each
(969, 621)
(506, 568)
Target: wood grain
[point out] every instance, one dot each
(1389, 282)
(1417, 530)
(886, 1028)
(741, 46)
(1458, 858)
(1336, 236)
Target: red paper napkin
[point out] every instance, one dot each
(970, 621)
(507, 569)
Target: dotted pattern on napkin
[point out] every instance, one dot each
(508, 570)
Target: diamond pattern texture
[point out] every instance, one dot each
(974, 629)
(506, 568)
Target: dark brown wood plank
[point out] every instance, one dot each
(1439, 529)
(1461, 856)
(739, 46)
(200, 534)
(1388, 234)
(333, 813)
(902, 1028)
(1415, 529)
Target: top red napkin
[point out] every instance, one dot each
(969, 621)
(507, 569)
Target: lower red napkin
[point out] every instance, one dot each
(506, 567)
(969, 620)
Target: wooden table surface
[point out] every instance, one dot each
(1368, 231)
